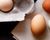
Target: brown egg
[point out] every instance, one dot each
(38, 24)
(46, 5)
(6, 5)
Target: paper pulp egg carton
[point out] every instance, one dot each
(25, 33)
(21, 8)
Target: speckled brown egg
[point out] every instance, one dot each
(38, 24)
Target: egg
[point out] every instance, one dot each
(46, 5)
(6, 5)
(38, 25)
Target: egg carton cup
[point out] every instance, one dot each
(21, 8)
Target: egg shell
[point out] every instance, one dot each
(46, 5)
(38, 25)
(6, 5)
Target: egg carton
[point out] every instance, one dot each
(26, 34)
(21, 8)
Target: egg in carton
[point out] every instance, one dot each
(15, 10)
(39, 9)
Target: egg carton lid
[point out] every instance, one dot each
(15, 15)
